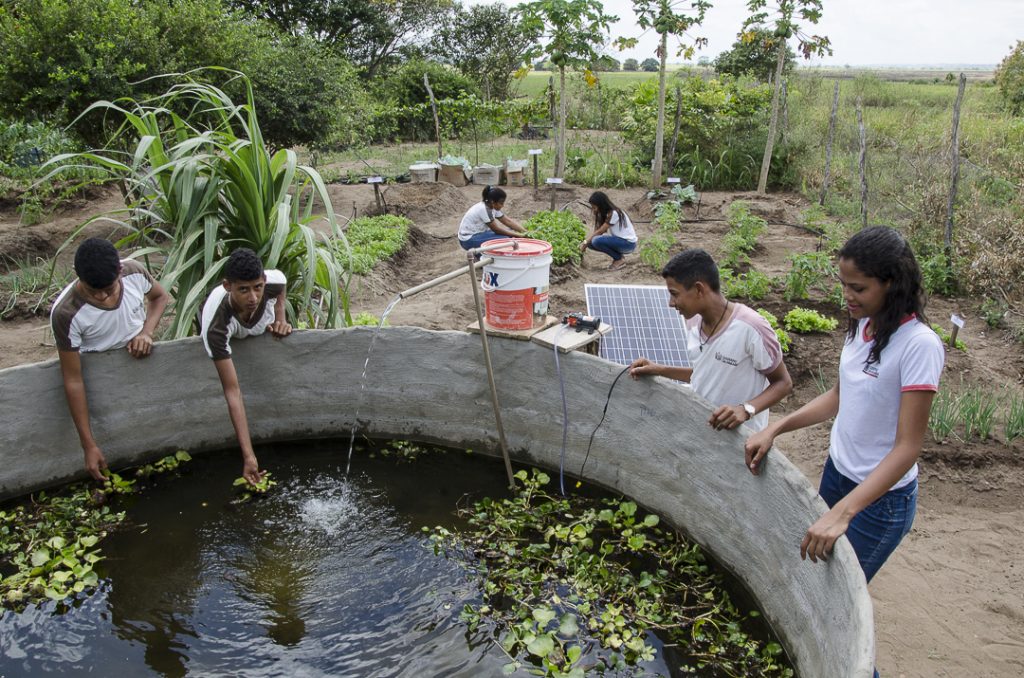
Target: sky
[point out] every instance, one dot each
(865, 32)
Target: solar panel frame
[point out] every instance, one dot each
(643, 324)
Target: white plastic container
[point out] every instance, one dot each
(423, 173)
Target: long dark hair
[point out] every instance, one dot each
(605, 207)
(881, 253)
(493, 194)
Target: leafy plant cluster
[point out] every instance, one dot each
(574, 585)
(48, 543)
(781, 334)
(753, 284)
(741, 239)
(809, 270)
(373, 239)
(805, 321)
(655, 248)
(246, 491)
(564, 230)
(974, 412)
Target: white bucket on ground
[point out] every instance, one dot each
(486, 175)
(515, 284)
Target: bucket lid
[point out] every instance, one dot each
(528, 247)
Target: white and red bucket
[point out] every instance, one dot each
(515, 284)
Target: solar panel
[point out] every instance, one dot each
(643, 324)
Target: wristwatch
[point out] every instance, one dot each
(750, 410)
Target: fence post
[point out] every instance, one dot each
(828, 143)
(437, 123)
(954, 153)
(863, 167)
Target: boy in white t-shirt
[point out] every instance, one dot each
(250, 301)
(739, 366)
(112, 304)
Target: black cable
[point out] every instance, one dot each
(594, 432)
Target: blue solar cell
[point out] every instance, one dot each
(643, 324)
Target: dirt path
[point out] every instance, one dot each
(950, 602)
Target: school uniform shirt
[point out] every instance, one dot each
(80, 325)
(220, 322)
(731, 367)
(476, 220)
(621, 228)
(864, 430)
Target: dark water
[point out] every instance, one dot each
(326, 576)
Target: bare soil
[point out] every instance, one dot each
(950, 602)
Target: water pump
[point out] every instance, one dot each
(582, 322)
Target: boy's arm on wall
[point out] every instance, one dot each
(236, 410)
(74, 390)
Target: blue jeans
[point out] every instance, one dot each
(612, 245)
(876, 531)
(480, 238)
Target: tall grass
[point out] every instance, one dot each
(200, 182)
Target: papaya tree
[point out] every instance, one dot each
(666, 20)
(781, 20)
(574, 31)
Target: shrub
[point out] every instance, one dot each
(780, 333)
(744, 229)
(803, 321)
(563, 230)
(1010, 79)
(937, 275)
(810, 269)
(752, 285)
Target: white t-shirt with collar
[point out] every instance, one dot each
(730, 369)
(621, 228)
(864, 430)
(477, 219)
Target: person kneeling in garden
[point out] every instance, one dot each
(738, 366)
(248, 303)
(485, 221)
(613, 234)
(105, 308)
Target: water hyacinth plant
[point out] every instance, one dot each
(200, 181)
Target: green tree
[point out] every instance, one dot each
(649, 65)
(606, 63)
(661, 15)
(782, 20)
(1010, 78)
(755, 54)
(485, 42)
(372, 34)
(630, 65)
(574, 30)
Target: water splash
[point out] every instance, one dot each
(362, 379)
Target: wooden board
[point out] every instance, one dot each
(521, 335)
(569, 340)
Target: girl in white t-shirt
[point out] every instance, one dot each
(613, 231)
(485, 221)
(888, 375)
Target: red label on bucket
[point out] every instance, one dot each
(515, 309)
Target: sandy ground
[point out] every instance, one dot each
(950, 602)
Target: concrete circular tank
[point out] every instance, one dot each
(654, 445)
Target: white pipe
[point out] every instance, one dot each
(443, 278)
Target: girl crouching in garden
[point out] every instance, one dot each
(485, 221)
(613, 231)
(888, 374)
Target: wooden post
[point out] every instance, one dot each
(954, 172)
(535, 185)
(552, 114)
(863, 167)
(433, 107)
(554, 192)
(675, 132)
(828, 143)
